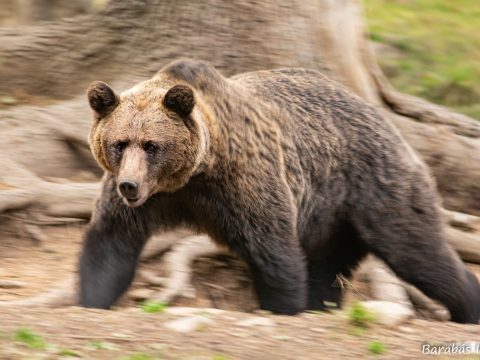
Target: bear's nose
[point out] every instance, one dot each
(129, 189)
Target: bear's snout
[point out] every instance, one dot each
(129, 189)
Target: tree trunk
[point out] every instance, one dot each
(130, 40)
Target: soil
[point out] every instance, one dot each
(128, 332)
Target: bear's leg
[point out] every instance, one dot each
(412, 244)
(107, 265)
(279, 273)
(112, 245)
(280, 283)
(323, 285)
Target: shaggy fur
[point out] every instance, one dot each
(286, 168)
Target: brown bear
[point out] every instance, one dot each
(286, 168)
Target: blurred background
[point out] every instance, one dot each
(427, 48)
(28, 12)
(416, 61)
(430, 48)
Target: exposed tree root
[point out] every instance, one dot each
(466, 244)
(44, 200)
(421, 110)
(462, 221)
(178, 266)
(383, 284)
(159, 244)
(425, 306)
(63, 293)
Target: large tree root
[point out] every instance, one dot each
(385, 286)
(47, 201)
(178, 267)
(63, 293)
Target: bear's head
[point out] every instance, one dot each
(151, 138)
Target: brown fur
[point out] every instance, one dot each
(285, 167)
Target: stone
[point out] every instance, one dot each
(188, 324)
(256, 321)
(185, 311)
(389, 313)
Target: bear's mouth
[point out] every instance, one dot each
(133, 202)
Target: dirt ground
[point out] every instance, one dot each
(128, 332)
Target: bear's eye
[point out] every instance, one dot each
(150, 147)
(120, 146)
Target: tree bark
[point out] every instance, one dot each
(130, 40)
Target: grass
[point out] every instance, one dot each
(30, 339)
(359, 316)
(153, 306)
(376, 347)
(436, 48)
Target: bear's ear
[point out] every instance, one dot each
(102, 98)
(180, 99)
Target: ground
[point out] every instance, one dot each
(131, 332)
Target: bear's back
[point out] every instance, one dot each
(316, 125)
(310, 95)
(320, 116)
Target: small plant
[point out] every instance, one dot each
(30, 339)
(360, 316)
(376, 347)
(69, 352)
(153, 306)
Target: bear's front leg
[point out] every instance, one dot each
(112, 245)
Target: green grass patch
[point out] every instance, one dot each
(436, 48)
(30, 339)
(153, 306)
(376, 347)
(359, 316)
